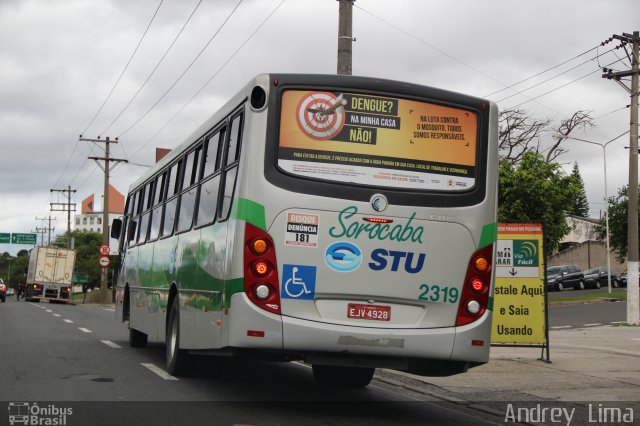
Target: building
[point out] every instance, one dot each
(581, 247)
(90, 220)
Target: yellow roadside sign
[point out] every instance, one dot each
(519, 301)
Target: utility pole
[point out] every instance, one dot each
(633, 293)
(107, 166)
(40, 232)
(65, 207)
(47, 230)
(345, 36)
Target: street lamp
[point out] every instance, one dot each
(606, 195)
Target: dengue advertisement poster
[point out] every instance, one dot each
(375, 140)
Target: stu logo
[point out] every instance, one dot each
(380, 259)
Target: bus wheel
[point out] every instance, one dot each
(137, 339)
(177, 358)
(342, 377)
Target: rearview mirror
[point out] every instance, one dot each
(116, 228)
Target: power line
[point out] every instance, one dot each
(125, 68)
(543, 81)
(612, 112)
(81, 166)
(75, 147)
(66, 165)
(431, 46)
(442, 52)
(154, 70)
(210, 79)
(552, 68)
(559, 87)
(183, 73)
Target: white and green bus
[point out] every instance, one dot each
(345, 222)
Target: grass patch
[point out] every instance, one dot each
(77, 297)
(576, 296)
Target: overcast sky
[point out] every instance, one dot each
(59, 60)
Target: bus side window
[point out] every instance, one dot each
(235, 133)
(188, 196)
(135, 218)
(122, 242)
(144, 228)
(211, 153)
(208, 203)
(156, 213)
(147, 200)
(227, 195)
(160, 189)
(173, 189)
(229, 181)
(191, 168)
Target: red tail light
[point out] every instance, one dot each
(261, 283)
(477, 282)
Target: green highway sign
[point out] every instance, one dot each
(5, 238)
(29, 239)
(84, 279)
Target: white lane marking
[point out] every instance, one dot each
(57, 315)
(109, 309)
(301, 364)
(68, 321)
(111, 344)
(49, 310)
(159, 371)
(85, 330)
(617, 322)
(636, 338)
(561, 326)
(592, 325)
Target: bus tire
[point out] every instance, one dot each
(342, 377)
(137, 339)
(177, 359)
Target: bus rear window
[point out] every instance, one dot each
(377, 141)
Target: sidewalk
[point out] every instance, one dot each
(588, 366)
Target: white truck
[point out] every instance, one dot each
(50, 274)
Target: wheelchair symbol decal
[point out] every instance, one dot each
(299, 282)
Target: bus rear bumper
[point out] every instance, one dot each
(434, 351)
(468, 343)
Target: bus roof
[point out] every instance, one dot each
(354, 82)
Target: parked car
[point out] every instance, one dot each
(11, 291)
(563, 276)
(3, 291)
(598, 277)
(623, 279)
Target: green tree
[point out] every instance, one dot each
(534, 190)
(618, 223)
(23, 252)
(13, 269)
(87, 246)
(579, 204)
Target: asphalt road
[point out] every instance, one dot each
(77, 358)
(587, 315)
(584, 315)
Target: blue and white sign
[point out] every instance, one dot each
(343, 256)
(298, 282)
